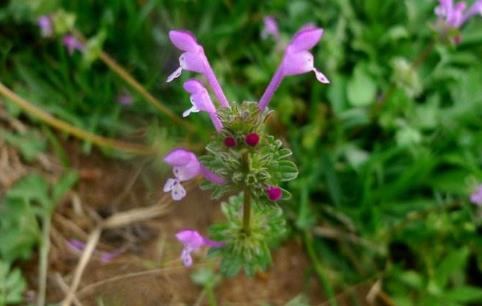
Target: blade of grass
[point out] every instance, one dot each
(47, 118)
(308, 239)
(126, 76)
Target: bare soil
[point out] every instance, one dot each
(148, 270)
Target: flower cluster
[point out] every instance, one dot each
(241, 159)
(452, 16)
(61, 24)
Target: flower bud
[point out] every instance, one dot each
(252, 139)
(274, 193)
(230, 142)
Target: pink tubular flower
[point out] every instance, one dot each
(201, 101)
(270, 28)
(46, 27)
(185, 166)
(194, 59)
(296, 60)
(72, 43)
(476, 196)
(455, 15)
(193, 241)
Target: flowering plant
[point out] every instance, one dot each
(242, 160)
(452, 16)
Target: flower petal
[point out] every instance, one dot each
(178, 192)
(183, 40)
(193, 86)
(169, 185)
(188, 111)
(297, 63)
(320, 76)
(174, 75)
(305, 40)
(187, 171)
(186, 258)
(193, 61)
(179, 157)
(191, 239)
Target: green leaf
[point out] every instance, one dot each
(361, 88)
(453, 263)
(465, 294)
(12, 285)
(30, 144)
(64, 184)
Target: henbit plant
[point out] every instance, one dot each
(241, 159)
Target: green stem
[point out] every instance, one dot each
(246, 211)
(210, 295)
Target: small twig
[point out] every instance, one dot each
(134, 216)
(43, 258)
(84, 260)
(82, 292)
(47, 118)
(376, 293)
(63, 286)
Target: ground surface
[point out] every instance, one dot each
(148, 272)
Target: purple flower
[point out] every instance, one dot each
(455, 15)
(72, 43)
(476, 196)
(76, 245)
(201, 101)
(193, 241)
(270, 28)
(107, 257)
(185, 166)
(194, 59)
(46, 27)
(125, 99)
(296, 60)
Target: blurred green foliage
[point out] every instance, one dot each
(388, 152)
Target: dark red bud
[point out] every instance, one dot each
(252, 139)
(274, 193)
(230, 142)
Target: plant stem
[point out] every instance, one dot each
(246, 211)
(211, 296)
(47, 118)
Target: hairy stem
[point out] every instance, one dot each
(246, 211)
